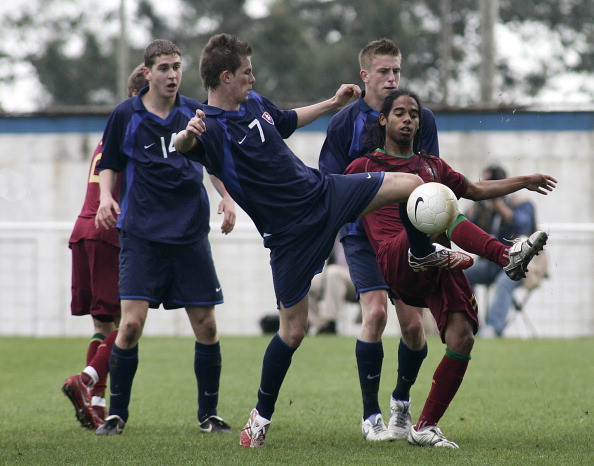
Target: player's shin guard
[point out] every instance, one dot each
(207, 367)
(409, 364)
(369, 363)
(473, 239)
(122, 368)
(277, 360)
(446, 380)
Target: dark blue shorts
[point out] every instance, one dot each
(297, 254)
(365, 272)
(175, 275)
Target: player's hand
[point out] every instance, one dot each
(541, 183)
(107, 213)
(196, 124)
(227, 207)
(345, 93)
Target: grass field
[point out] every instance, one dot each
(522, 402)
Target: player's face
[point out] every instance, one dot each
(402, 123)
(165, 76)
(241, 82)
(382, 77)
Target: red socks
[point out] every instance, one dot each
(473, 239)
(100, 363)
(446, 381)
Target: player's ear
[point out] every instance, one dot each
(382, 119)
(226, 77)
(364, 74)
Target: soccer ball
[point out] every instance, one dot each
(432, 208)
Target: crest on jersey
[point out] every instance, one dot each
(268, 118)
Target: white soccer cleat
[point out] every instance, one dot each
(374, 429)
(442, 257)
(254, 432)
(522, 252)
(429, 436)
(400, 418)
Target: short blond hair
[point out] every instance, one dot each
(382, 46)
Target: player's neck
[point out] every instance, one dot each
(159, 106)
(398, 151)
(220, 100)
(374, 102)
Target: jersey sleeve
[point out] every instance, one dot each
(456, 181)
(113, 155)
(334, 156)
(285, 121)
(429, 139)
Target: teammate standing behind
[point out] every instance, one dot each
(297, 209)
(163, 218)
(347, 140)
(95, 289)
(446, 293)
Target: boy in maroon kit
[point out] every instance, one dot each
(95, 272)
(446, 293)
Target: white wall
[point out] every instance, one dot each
(43, 179)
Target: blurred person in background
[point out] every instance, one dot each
(507, 218)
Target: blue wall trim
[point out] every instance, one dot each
(471, 121)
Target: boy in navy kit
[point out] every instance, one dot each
(163, 218)
(447, 293)
(298, 210)
(348, 139)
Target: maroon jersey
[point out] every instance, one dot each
(440, 290)
(84, 228)
(384, 224)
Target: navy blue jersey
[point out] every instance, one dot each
(246, 151)
(346, 140)
(162, 195)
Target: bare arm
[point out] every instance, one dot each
(305, 115)
(489, 189)
(109, 209)
(186, 139)
(226, 206)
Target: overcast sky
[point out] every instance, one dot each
(526, 49)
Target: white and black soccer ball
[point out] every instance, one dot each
(432, 208)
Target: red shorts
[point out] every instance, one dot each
(440, 290)
(95, 274)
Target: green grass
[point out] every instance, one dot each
(522, 402)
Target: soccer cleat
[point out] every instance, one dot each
(429, 436)
(375, 430)
(254, 432)
(114, 425)
(442, 257)
(522, 252)
(400, 418)
(80, 396)
(214, 425)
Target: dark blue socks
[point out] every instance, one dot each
(277, 360)
(409, 364)
(122, 368)
(369, 362)
(207, 367)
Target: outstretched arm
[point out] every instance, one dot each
(305, 115)
(226, 206)
(489, 189)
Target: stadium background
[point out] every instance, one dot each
(44, 161)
